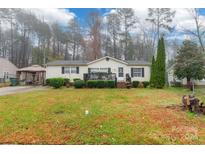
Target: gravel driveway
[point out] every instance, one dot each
(19, 89)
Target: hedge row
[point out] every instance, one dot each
(79, 84)
(94, 84)
(57, 82)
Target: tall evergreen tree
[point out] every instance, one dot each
(152, 82)
(160, 65)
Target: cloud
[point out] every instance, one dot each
(51, 15)
(182, 20)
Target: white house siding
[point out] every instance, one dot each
(113, 65)
(7, 67)
(56, 71)
(146, 73)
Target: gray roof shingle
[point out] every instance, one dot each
(84, 62)
(67, 62)
(134, 62)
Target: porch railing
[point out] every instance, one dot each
(99, 76)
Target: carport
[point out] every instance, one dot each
(32, 75)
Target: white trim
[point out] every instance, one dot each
(94, 61)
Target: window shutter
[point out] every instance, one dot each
(109, 70)
(88, 70)
(131, 72)
(142, 72)
(62, 70)
(77, 68)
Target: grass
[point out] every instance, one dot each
(116, 116)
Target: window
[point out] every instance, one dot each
(96, 70)
(6, 75)
(67, 70)
(70, 70)
(73, 70)
(138, 72)
(120, 72)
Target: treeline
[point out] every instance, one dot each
(27, 39)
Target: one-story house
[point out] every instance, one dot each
(7, 70)
(173, 78)
(103, 68)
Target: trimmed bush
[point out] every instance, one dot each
(101, 84)
(92, 83)
(79, 84)
(111, 84)
(135, 84)
(56, 82)
(75, 79)
(48, 82)
(145, 83)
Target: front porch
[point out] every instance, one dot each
(99, 76)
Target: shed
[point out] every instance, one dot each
(33, 75)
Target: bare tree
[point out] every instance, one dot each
(128, 20)
(161, 18)
(74, 37)
(113, 26)
(95, 24)
(199, 31)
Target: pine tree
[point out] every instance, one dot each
(152, 83)
(160, 65)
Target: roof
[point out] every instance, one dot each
(138, 63)
(7, 62)
(85, 63)
(67, 62)
(33, 68)
(115, 59)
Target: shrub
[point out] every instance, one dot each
(47, 81)
(66, 81)
(79, 84)
(135, 84)
(75, 79)
(101, 84)
(110, 84)
(145, 83)
(92, 83)
(56, 82)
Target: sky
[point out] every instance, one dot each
(83, 13)
(181, 21)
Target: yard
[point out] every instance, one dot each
(116, 116)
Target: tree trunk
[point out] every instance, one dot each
(189, 84)
(12, 47)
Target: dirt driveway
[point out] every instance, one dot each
(19, 89)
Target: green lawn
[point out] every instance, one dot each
(116, 116)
